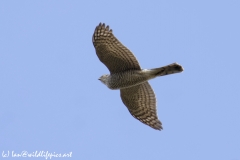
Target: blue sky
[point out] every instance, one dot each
(51, 99)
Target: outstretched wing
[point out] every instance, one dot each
(141, 103)
(111, 52)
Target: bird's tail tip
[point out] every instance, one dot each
(177, 67)
(169, 69)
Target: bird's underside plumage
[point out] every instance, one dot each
(127, 75)
(132, 78)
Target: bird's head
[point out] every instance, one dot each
(104, 79)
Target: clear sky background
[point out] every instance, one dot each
(51, 99)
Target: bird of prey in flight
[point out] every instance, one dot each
(127, 75)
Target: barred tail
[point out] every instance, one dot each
(169, 69)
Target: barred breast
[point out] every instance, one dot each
(127, 79)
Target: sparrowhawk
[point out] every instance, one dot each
(127, 75)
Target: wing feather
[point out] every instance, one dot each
(111, 52)
(141, 103)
